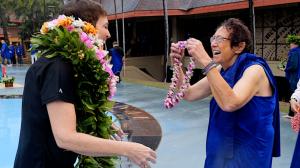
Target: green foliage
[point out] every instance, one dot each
(92, 89)
(6, 7)
(282, 64)
(34, 13)
(8, 79)
(293, 39)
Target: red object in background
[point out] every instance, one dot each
(295, 122)
(3, 71)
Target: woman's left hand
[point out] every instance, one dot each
(195, 49)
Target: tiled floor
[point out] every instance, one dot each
(183, 127)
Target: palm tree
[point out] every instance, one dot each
(5, 8)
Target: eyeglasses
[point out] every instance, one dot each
(218, 39)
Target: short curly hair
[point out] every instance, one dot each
(239, 32)
(87, 10)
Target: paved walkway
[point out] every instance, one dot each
(183, 127)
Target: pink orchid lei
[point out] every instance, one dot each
(174, 97)
(87, 34)
(295, 122)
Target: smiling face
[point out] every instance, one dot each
(102, 27)
(221, 47)
(223, 52)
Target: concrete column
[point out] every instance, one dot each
(174, 36)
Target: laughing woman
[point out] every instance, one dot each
(243, 126)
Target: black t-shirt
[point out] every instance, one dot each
(47, 80)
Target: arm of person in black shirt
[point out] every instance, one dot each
(63, 123)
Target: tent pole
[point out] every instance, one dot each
(116, 20)
(124, 49)
(166, 21)
(252, 22)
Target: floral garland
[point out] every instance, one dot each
(295, 122)
(173, 96)
(76, 41)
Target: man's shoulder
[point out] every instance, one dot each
(44, 63)
(295, 51)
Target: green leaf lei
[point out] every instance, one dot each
(92, 88)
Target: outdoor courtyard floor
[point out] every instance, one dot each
(183, 127)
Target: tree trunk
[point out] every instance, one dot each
(4, 22)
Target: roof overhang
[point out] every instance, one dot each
(198, 10)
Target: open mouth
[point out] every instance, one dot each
(216, 52)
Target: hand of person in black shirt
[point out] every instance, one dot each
(119, 132)
(63, 124)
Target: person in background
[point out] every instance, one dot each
(33, 55)
(5, 53)
(12, 53)
(117, 55)
(292, 70)
(20, 53)
(243, 130)
(295, 107)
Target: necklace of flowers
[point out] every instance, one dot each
(174, 95)
(87, 33)
(295, 122)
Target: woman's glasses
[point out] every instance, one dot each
(218, 39)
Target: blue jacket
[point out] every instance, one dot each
(116, 59)
(32, 52)
(4, 51)
(292, 70)
(11, 51)
(20, 51)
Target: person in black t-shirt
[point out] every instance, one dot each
(48, 136)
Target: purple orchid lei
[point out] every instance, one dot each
(174, 96)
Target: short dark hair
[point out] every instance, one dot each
(239, 32)
(87, 10)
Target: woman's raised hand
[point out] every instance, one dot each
(195, 49)
(176, 52)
